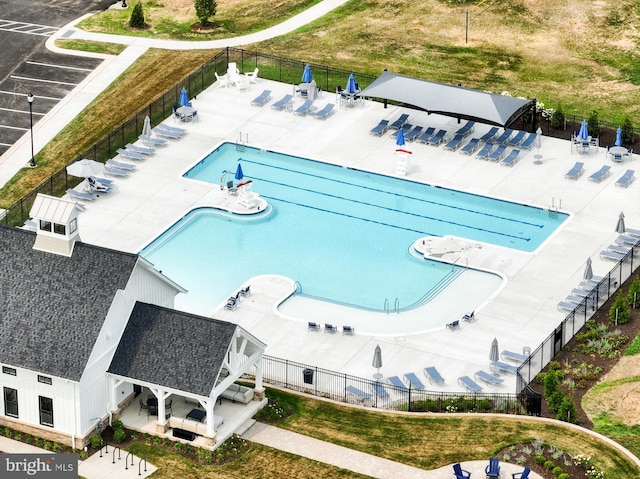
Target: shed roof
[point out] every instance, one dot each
(172, 348)
(448, 100)
(53, 209)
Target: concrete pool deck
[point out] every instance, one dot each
(522, 313)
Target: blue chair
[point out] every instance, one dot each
(428, 133)
(490, 135)
(470, 147)
(459, 472)
(601, 174)
(493, 468)
(397, 383)
(626, 179)
(396, 125)
(324, 113)
(521, 475)
(261, 99)
(380, 128)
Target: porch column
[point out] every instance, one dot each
(208, 406)
(113, 394)
(259, 389)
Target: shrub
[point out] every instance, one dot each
(8, 432)
(57, 447)
(550, 384)
(558, 119)
(117, 424)
(137, 17)
(539, 460)
(119, 435)
(564, 475)
(557, 471)
(555, 401)
(96, 441)
(627, 131)
(593, 124)
(204, 10)
(549, 465)
(567, 410)
(47, 445)
(633, 296)
(620, 310)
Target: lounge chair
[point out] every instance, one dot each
(172, 135)
(120, 164)
(466, 129)
(484, 153)
(94, 186)
(147, 140)
(626, 179)
(470, 147)
(624, 239)
(576, 171)
(428, 133)
(513, 356)
(379, 390)
(460, 473)
(566, 306)
(262, 98)
(504, 137)
(405, 129)
(131, 155)
(503, 367)
(282, 103)
(469, 384)
(618, 249)
(358, 393)
(469, 317)
(330, 328)
(601, 174)
(517, 138)
(438, 138)
(433, 375)
(628, 231)
(413, 134)
(493, 468)
(303, 109)
(252, 76)
(490, 135)
(324, 113)
(246, 291)
(174, 129)
(453, 325)
(498, 153)
(454, 143)
(143, 150)
(348, 330)
(521, 475)
(612, 256)
(223, 80)
(511, 159)
(528, 142)
(80, 195)
(396, 125)
(413, 380)
(114, 171)
(232, 304)
(397, 383)
(311, 326)
(380, 128)
(487, 378)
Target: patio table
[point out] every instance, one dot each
(618, 153)
(186, 113)
(197, 415)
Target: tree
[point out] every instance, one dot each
(633, 297)
(627, 131)
(594, 124)
(137, 17)
(557, 119)
(619, 312)
(204, 10)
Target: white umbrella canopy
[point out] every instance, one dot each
(85, 168)
(493, 352)
(377, 361)
(620, 227)
(588, 271)
(146, 126)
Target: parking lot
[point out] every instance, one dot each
(27, 66)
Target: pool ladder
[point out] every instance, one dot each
(396, 306)
(553, 211)
(243, 139)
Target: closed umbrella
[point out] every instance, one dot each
(493, 353)
(146, 126)
(377, 361)
(583, 134)
(538, 137)
(306, 74)
(184, 100)
(85, 168)
(351, 84)
(619, 137)
(239, 174)
(400, 138)
(620, 227)
(588, 271)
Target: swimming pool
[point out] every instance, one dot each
(344, 235)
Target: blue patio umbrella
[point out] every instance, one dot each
(619, 137)
(400, 138)
(184, 100)
(239, 174)
(583, 134)
(306, 74)
(351, 84)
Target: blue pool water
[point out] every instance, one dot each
(342, 234)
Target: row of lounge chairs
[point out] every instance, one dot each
(330, 328)
(577, 170)
(306, 108)
(624, 247)
(578, 297)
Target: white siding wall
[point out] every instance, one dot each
(61, 391)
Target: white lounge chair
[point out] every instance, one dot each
(612, 256)
(115, 171)
(147, 140)
(143, 150)
(513, 356)
(174, 129)
(80, 195)
(167, 133)
(252, 76)
(132, 155)
(222, 80)
(120, 164)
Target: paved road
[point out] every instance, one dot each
(26, 66)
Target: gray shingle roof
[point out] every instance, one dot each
(172, 348)
(51, 306)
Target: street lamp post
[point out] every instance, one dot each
(32, 163)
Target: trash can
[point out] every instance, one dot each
(308, 376)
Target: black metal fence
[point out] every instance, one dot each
(374, 393)
(574, 321)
